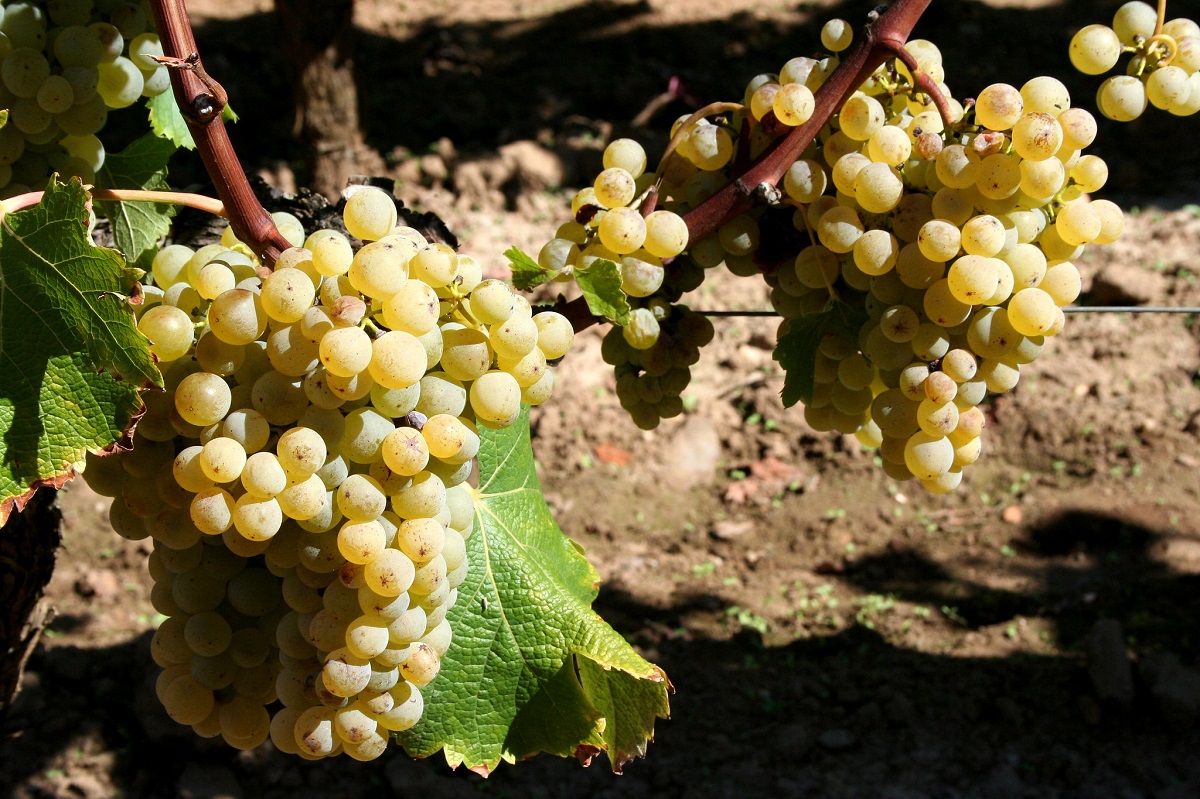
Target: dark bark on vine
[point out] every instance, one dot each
(317, 45)
(28, 548)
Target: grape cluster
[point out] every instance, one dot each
(1164, 70)
(63, 65)
(303, 475)
(945, 241)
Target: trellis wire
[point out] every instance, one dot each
(1068, 309)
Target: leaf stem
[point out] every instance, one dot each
(201, 100)
(197, 201)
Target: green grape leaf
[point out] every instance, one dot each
(137, 227)
(532, 668)
(526, 272)
(601, 285)
(71, 359)
(166, 120)
(796, 350)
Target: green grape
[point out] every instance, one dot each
(878, 188)
(212, 510)
(262, 476)
(957, 166)
(890, 145)
(120, 82)
(237, 317)
(622, 230)
(55, 95)
(972, 279)
(1132, 20)
(846, 170)
(793, 104)
(876, 252)
(998, 107)
(939, 240)
(839, 228)
(466, 354)
(222, 459)
(804, 182)
(169, 330)
(361, 542)
(345, 351)
(287, 295)
(202, 399)
(1045, 95)
(436, 265)
(999, 176)
(1037, 136)
(441, 393)
(370, 214)
(1095, 49)
(360, 498)
(1032, 312)
(301, 451)
(861, 116)
(666, 234)
(23, 71)
(1042, 178)
(625, 154)
(1090, 172)
(514, 338)
(304, 498)
(1122, 98)
(942, 308)
(397, 359)
(710, 147)
(614, 188)
(496, 398)
(1077, 223)
(928, 456)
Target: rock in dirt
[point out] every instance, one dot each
(98, 584)
(838, 739)
(201, 781)
(690, 459)
(1120, 284)
(1176, 690)
(1108, 664)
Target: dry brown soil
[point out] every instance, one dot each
(829, 633)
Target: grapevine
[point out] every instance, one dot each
(324, 433)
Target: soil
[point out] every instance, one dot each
(829, 633)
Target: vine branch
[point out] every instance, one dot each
(883, 37)
(201, 100)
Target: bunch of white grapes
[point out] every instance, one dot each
(953, 244)
(1164, 70)
(63, 65)
(304, 474)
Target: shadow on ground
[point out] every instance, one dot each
(821, 717)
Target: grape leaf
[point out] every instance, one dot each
(796, 350)
(601, 285)
(526, 272)
(137, 227)
(71, 359)
(532, 668)
(166, 120)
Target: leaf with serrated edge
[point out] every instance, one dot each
(526, 272)
(531, 668)
(601, 286)
(71, 359)
(137, 227)
(167, 122)
(797, 349)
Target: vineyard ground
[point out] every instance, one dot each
(829, 633)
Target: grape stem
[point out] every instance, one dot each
(201, 100)
(1162, 17)
(197, 201)
(883, 38)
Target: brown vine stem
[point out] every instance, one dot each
(197, 201)
(201, 100)
(885, 34)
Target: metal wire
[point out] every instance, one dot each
(1068, 309)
